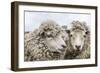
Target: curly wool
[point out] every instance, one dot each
(35, 46)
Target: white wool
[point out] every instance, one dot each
(36, 48)
(85, 53)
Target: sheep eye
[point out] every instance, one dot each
(62, 36)
(84, 36)
(71, 35)
(48, 36)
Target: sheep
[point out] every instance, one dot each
(46, 43)
(79, 41)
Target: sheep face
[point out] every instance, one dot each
(77, 38)
(55, 40)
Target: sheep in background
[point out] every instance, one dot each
(46, 43)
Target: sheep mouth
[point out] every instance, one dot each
(76, 52)
(59, 51)
(56, 54)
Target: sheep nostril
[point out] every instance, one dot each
(78, 47)
(63, 46)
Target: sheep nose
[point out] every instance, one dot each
(63, 46)
(77, 46)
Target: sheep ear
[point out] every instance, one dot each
(73, 22)
(68, 31)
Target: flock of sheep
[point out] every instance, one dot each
(54, 42)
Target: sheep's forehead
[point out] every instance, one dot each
(52, 29)
(78, 32)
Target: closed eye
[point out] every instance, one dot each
(84, 36)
